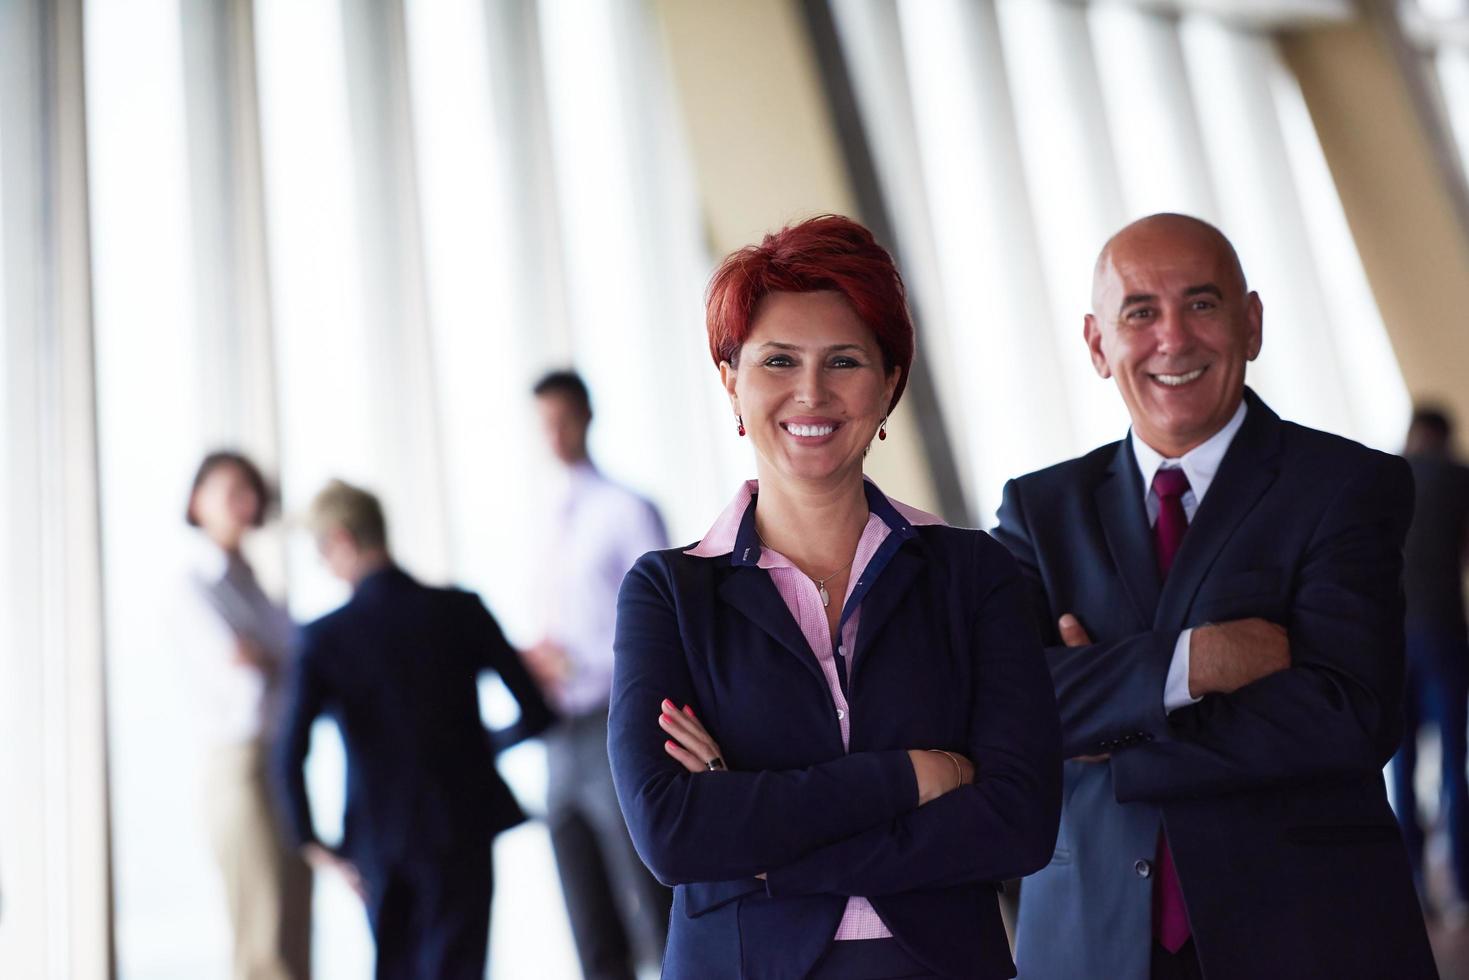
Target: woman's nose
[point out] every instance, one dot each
(811, 386)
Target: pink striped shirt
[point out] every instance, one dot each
(859, 920)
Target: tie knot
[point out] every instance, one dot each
(1170, 483)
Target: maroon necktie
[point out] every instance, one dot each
(1170, 917)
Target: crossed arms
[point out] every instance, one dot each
(853, 825)
(1330, 707)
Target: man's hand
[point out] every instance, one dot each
(1073, 634)
(1224, 657)
(324, 859)
(549, 664)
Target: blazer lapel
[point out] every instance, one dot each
(1119, 500)
(1248, 469)
(881, 599)
(749, 590)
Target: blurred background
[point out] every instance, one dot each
(346, 236)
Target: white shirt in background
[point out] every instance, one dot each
(219, 600)
(599, 530)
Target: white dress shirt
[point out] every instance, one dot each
(600, 530)
(218, 602)
(1199, 464)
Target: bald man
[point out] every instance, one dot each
(1220, 597)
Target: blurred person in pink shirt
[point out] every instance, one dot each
(618, 911)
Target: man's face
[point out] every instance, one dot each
(1173, 324)
(564, 422)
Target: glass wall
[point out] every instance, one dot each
(452, 197)
(1036, 128)
(347, 235)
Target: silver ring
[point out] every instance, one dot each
(715, 764)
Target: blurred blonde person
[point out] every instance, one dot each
(397, 668)
(236, 642)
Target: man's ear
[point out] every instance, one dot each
(1091, 331)
(1255, 316)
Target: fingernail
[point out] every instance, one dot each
(668, 744)
(667, 703)
(688, 711)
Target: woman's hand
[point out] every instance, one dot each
(688, 742)
(939, 772)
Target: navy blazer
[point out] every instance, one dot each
(1289, 858)
(945, 657)
(398, 668)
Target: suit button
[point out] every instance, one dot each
(1143, 868)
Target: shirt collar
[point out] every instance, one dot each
(207, 561)
(378, 579)
(1199, 464)
(733, 532)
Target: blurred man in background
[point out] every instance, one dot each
(1438, 648)
(398, 669)
(599, 529)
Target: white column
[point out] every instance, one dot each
(488, 230)
(404, 420)
(233, 371)
(1156, 137)
(227, 211)
(54, 853)
(630, 230)
(872, 44)
(1260, 210)
(1075, 191)
(994, 286)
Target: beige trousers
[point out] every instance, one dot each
(267, 885)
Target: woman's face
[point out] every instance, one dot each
(810, 387)
(225, 505)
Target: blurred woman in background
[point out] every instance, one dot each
(235, 642)
(832, 727)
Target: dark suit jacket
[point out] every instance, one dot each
(1433, 556)
(397, 667)
(945, 658)
(1288, 855)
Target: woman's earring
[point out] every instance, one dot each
(882, 429)
(741, 423)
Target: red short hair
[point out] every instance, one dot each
(829, 252)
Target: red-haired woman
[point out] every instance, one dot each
(832, 728)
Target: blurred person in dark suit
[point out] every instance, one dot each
(234, 643)
(398, 670)
(617, 908)
(1438, 648)
(1221, 599)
